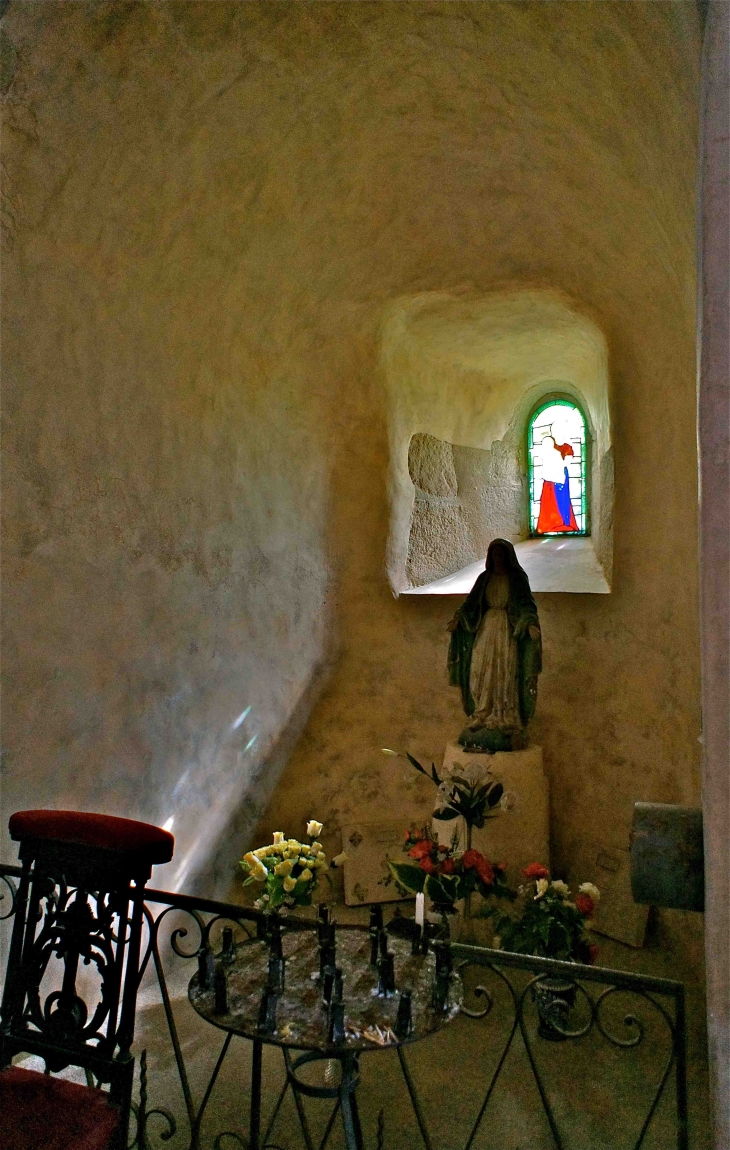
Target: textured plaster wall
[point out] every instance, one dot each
(212, 209)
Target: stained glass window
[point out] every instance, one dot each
(556, 447)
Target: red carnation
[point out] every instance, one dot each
(585, 904)
(471, 859)
(485, 871)
(536, 870)
(448, 866)
(420, 850)
(443, 849)
(428, 865)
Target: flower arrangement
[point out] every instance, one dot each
(289, 869)
(446, 874)
(549, 923)
(467, 790)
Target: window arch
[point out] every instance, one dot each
(557, 449)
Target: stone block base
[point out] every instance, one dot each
(517, 837)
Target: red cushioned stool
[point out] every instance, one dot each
(79, 901)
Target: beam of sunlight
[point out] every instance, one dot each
(241, 718)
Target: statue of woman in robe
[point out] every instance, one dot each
(495, 654)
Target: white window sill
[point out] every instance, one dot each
(553, 563)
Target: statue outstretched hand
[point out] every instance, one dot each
(532, 630)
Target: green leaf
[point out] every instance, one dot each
(249, 880)
(410, 877)
(446, 814)
(442, 888)
(495, 795)
(416, 764)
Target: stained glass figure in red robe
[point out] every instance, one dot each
(556, 509)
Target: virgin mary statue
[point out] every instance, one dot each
(495, 654)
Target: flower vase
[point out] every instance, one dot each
(554, 998)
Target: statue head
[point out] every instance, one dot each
(501, 558)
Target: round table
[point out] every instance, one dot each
(298, 1020)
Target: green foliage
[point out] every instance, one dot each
(444, 873)
(547, 925)
(408, 878)
(473, 799)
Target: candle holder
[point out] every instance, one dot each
(276, 973)
(275, 944)
(386, 975)
(416, 938)
(375, 931)
(228, 947)
(220, 990)
(404, 1018)
(328, 982)
(442, 975)
(267, 1012)
(336, 1023)
(206, 968)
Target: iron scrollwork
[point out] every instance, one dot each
(69, 917)
(556, 989)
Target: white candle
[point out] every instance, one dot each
(420, 908)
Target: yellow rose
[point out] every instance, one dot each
(306, 874)
(278, 837)
(284, 868)
(313, 828)
(315, 848)
(304, 849)
(289, 884)
(250, 859)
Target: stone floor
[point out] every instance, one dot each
(599, 1094)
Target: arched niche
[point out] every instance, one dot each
(463, 374)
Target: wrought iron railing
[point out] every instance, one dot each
(536, 999)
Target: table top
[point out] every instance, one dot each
(301, 1019)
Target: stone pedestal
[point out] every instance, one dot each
(519, 836)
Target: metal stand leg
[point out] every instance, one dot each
(254, 1129)
(348, 1104)
(414, 1100)
(344, 1094)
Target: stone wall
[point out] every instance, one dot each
(210, 209)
